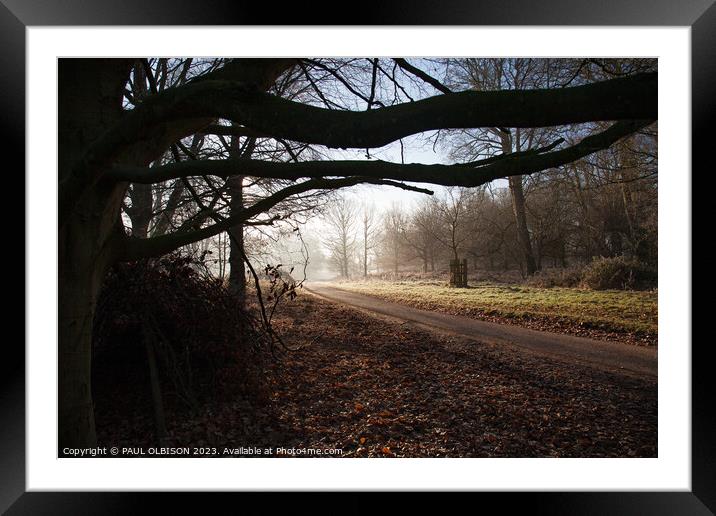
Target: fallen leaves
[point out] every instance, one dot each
(396, 391)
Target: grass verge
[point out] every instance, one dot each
(627, 316)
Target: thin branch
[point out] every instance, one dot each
(135, 248)
(422, 75)
(430, 80)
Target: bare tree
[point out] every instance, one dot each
(455, 223)
(340, 241)
(392, 241)
(423, 225)
(369, 232)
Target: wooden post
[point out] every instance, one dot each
(458, 273)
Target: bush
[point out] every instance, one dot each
(618, 272)
(555, 278)
(206, 345)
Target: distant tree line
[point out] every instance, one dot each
(605, 206)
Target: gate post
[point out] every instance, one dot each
(458, 273)
(454, 273)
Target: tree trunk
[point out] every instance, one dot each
(160, 425)
(523, 234)
(365, 248)
(89, 99)
(365, 261)
(345, 258)
(78, 296)
(520, 213)
(237, 272)
(141, 211)
(84, 258)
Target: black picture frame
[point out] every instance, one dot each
(700, 15)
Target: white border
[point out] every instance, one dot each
(671, 470)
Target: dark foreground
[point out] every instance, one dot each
(372, 387)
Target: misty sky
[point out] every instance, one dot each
(416, 149)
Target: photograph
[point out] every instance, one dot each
(442, 250)
(357, 257)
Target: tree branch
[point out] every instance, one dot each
(634, 97)
(476, 174)
(140, 136)
(421, 75)
(189, 108)
(232, 130)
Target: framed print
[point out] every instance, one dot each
(279, 258)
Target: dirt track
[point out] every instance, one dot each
(607, 356)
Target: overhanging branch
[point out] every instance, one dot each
(189, 108)
(630, 98)
(476, 174)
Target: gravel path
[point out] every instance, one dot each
(607, 356)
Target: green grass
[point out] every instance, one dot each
(609, 310)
